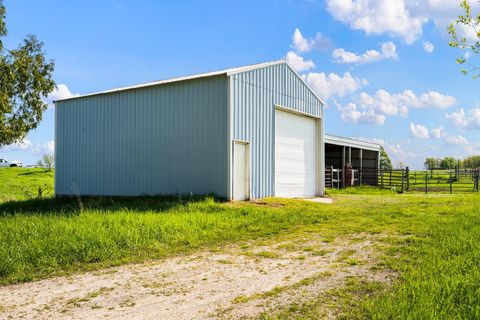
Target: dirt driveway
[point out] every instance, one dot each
(238, 281)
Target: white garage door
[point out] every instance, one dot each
(295, 155)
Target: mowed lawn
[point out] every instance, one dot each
(431, 241)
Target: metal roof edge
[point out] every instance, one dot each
(227, 72)
(305, 83)
(234, 71)
(352, 142)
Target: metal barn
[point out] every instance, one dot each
(241, 133)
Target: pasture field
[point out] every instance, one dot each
(431, 243)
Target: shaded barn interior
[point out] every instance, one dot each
(363, 157)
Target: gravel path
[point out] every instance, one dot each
(234, 282)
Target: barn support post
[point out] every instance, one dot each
(361, 166)
(343, 166)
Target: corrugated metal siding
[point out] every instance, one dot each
(164, 139)
(254, 96)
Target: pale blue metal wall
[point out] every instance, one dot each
(166, 139)
(254, 95)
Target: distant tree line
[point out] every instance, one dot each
(472, 162)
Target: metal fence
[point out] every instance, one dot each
(403, 180)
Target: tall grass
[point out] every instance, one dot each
(434, 242)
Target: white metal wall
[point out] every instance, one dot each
(168, 139)
(253, 97)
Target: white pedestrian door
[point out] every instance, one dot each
(240, 169)
(295, 155)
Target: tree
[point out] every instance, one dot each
(385, 162)
(47, 161)
(466, 23)
(472, 162)
(432, 163)
(448, 163)
(25, 78)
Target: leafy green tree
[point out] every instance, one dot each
(472, 162)
(25, 78)
(385, 162)
(432, 163)
(467, 22)
(448, 163)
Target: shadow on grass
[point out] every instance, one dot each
(31, 173)
(67, 206)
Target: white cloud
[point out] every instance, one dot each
(49, 147)
(437, 132)
(428, 47)
(327, 86)
(399, 18)
(383, 102)
(435, 99)
(60, 92)
(378, 17)
(388, 50)
(375, 108)
(462, 120)
(22, 145)
(303, 45)
(27, 146)
(454, 140)
(419, 131)
(298, 63)
(351, 114)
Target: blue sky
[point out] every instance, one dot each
(367, 58)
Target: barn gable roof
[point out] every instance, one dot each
(226, 72)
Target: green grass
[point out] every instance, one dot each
(23, 183)
(434, 241)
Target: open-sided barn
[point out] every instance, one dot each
(241, 133)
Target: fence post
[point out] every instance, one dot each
(403, 180)
(407, 172)
(426, 182)
(477, 175)
(381, 178)
(450, 183)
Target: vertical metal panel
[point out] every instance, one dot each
(167, 139)
(255, 94)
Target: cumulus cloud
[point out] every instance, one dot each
(25, 144)
(60, 92)
(418, 131)
(333, 85)
(36, 148)
(465, 120)
(351, 114)
(304, 45)
(428, 47)
(375, 108)
(388, 50)
(421, 132)
(389, 104)
(298, 63)
(400, 18)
